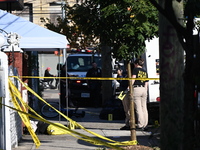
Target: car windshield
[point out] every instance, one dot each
(82, 63)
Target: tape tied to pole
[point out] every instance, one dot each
(16, 94)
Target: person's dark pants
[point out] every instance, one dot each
(56, 84)
(95, 95)
(63, 99)
(50, 81)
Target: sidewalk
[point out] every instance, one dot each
(91, 121)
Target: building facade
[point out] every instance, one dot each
(35, 9)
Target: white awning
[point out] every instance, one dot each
(33, 37)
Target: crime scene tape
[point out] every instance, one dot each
(88, 78)
(86, 138)
(69, 119)
(93, 141)
(24, 117)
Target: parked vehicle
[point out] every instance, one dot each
(151, 57)
(77, 65)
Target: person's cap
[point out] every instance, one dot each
(48, 68)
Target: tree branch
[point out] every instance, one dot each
(168, 12)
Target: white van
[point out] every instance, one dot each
(152, 67)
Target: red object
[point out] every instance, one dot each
(89, 51)
(68, 46)
(55, 52)
(158, 99)
(78, 81)
(195, 94)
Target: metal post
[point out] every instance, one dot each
(5, 135)
(65, 60)
(63, 10)
(59, 86)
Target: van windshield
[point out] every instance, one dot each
(82, 63)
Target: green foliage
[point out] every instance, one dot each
(124, 25)
(134, 22)
(63, 27)
(197, 25)
(192, 7)
(121, 24)
(84, 18)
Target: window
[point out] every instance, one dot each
(81, 63)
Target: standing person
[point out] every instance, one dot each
(124, 86)
(94, 85)
(140, 94)
(48, 74)
(125, 101)
(59, 67)
(64, 88)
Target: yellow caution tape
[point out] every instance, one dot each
(24, 118)
(75, 124)
(52, 124)
(52, 130)
(87, 78)
(71, 126)
(85, 137)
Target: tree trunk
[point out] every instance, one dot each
(106, 72)
(190, 76)
(171, 82)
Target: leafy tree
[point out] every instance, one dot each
(62, 27)
(74, 32)
(124, 25)
(132, 23)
